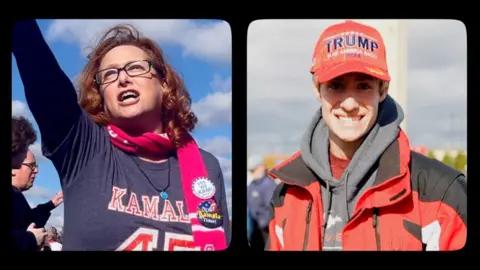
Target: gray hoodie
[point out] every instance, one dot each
(339, 197)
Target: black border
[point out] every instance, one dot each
(239, 27)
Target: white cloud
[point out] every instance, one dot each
(36, 148)
(280, 94)
(210, 41)
(218, 146)
(20, 108)
(57, 218)
(216, 108)
(37, 192)
(220, 84)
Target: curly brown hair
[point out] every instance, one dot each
(23, 135)
(178, 119)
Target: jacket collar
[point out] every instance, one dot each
(393, 176)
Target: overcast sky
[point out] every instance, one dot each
(281, 99)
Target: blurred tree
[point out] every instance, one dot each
(447, 159)
(420, 149)
(271, 160)
(460, 161)
(431, 154)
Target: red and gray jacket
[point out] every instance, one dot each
(416, 203)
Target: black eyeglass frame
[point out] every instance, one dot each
(32, 165)
(120, 69)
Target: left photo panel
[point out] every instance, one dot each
(121, 135)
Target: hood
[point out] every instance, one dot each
(315, 145)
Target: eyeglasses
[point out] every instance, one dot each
(132, 69)
(32, 165)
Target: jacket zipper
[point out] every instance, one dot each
(377, 228)
(307, 229)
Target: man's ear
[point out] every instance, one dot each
(383, 91)
(319, 95)
(316, 88)
(14, 172)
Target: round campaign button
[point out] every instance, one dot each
(209, 214)
(203, 188)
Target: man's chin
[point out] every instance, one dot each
(350, 137)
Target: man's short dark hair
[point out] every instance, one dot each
(23, 135)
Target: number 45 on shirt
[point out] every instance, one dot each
(145, 239)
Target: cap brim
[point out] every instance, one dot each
(350, 67)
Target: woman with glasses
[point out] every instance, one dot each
(28, 230)
(133, 177)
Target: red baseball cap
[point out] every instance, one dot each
(349, 47)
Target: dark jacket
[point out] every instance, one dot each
(259, 193)
(22, 216)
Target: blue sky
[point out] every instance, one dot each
(200, 50)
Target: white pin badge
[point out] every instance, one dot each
(203, 188)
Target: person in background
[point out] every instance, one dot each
(59, 238)
(355, 184)
(51, 240)
(259, 193)
(250, 223)
(250, 226)
(28, 230)
(249, 177)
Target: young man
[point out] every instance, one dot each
(355, 184)
(28, 232)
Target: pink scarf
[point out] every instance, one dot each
(202, 209)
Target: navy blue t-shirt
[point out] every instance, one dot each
(111, 198)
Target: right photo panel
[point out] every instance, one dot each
(357, 135)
